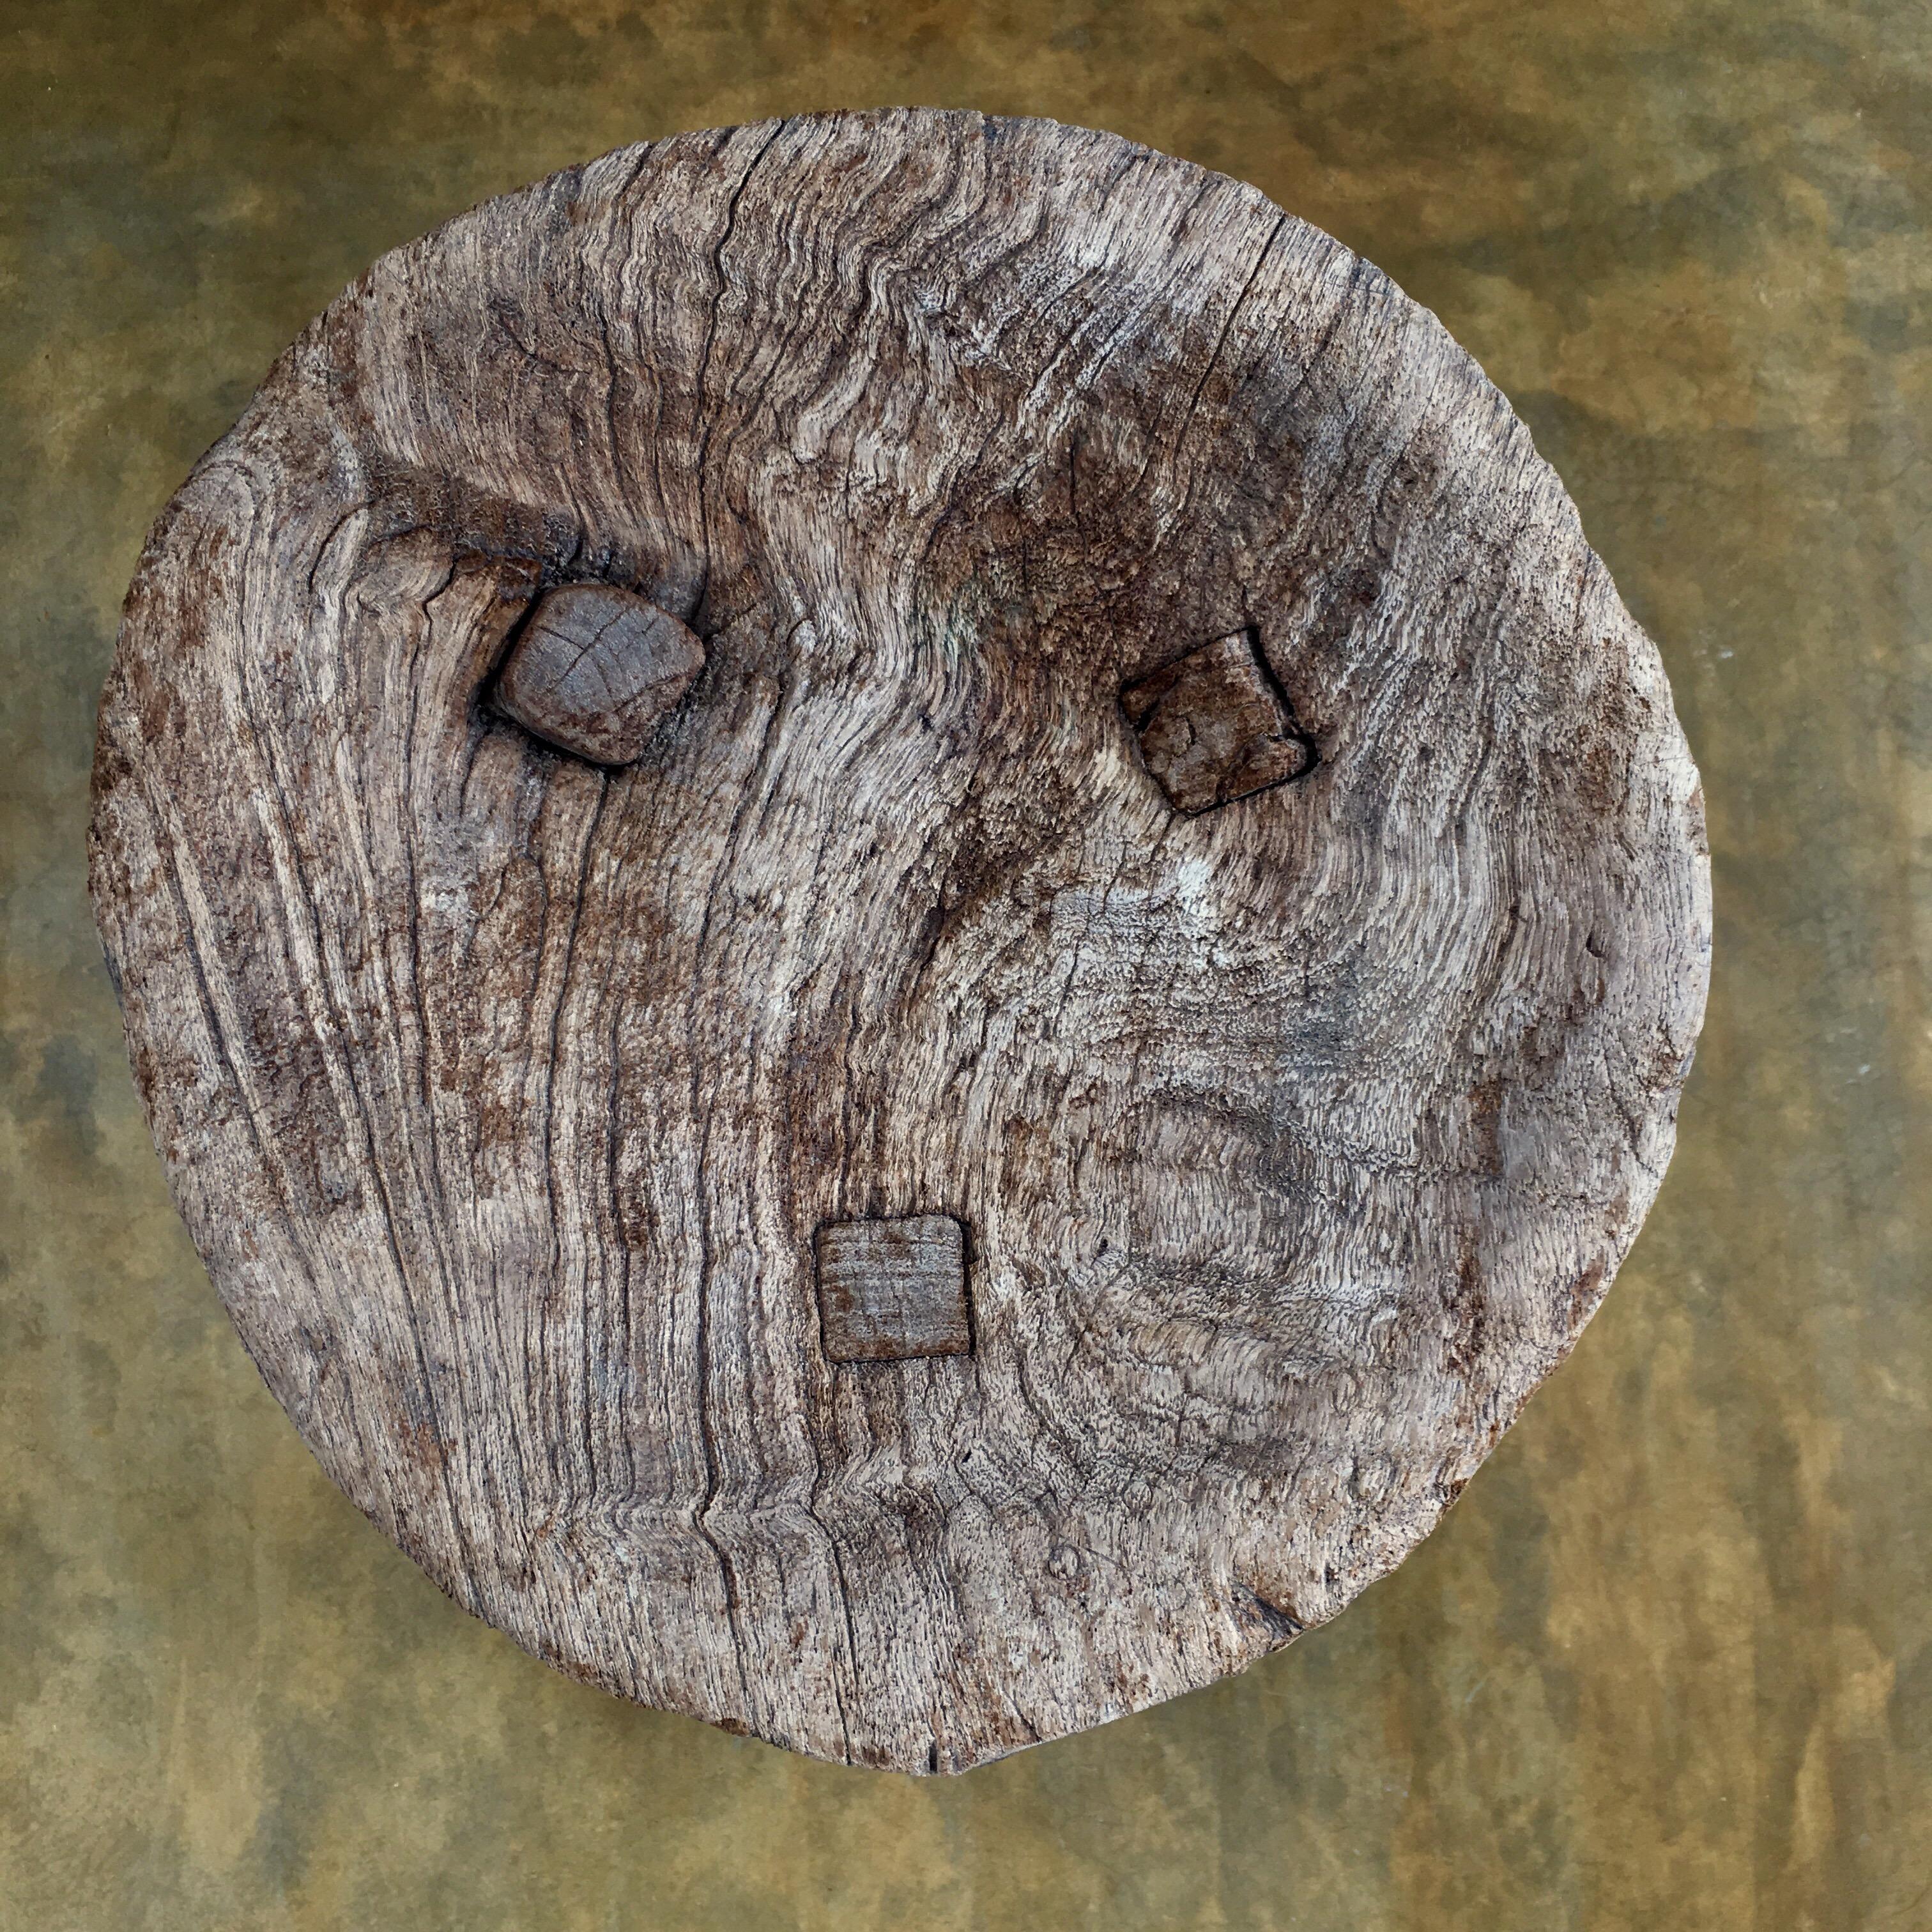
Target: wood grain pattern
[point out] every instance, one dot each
(504, 1093)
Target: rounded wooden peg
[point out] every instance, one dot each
(595, 668)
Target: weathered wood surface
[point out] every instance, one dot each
(1292, 1138)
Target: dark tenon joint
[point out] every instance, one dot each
(595, 669)
(1213, 726)
(889, 1290)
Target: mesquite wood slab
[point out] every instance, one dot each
(1007, 1130)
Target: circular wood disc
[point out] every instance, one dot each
(1000, 1130)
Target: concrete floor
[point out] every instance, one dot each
(1668, 1664)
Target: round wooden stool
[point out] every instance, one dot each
(903, 917)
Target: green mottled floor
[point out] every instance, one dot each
(1669, 1662)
